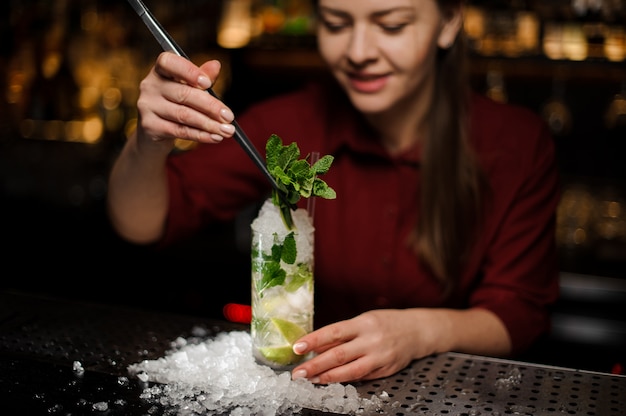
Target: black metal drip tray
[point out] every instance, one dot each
(466, 385)
(42, 338)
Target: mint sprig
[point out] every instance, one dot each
(269, 265)
(295, 177)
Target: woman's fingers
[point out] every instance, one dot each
(211, 68)
(173, 104)
(197, 99)
(161, 128)
(345, 362)
(334, 345)
(174, 67)
(192, 114)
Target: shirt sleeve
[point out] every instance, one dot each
(521, 275)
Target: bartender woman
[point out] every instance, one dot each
(442, 234)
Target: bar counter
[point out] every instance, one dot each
(47, 342)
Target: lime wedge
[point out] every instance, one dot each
(290, 331)
(283, 355)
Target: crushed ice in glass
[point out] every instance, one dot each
(220, 376)
(269, 221)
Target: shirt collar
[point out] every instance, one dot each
(348, 131)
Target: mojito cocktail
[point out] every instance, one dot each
(282, 254)
(282, 285)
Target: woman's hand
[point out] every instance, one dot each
(380, 343)
(372, 345)
(173, 103)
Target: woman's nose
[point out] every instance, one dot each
(362, 47)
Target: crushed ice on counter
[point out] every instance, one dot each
(220, 376)
(510, 380)
(78, 369)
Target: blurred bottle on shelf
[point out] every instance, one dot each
(574, 30)
(496, 87)
(616, 113)
(555, 110)
(610, 222)
(615, 43)
(575, 217)
(509, 31)
(236, 25)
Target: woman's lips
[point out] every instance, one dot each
(367, 83)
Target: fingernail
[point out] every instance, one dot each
(204, 82)
(298, 374)
(299, 347)
(227, 128)
(227, 115)
(314, 380)
(217, 137)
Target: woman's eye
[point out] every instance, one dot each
(393, 28)
(334, 26)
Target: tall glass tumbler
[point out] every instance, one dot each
(282, 285)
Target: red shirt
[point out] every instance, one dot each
(361, 259)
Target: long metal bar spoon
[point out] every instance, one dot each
(168, 44)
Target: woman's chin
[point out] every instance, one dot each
(369, 104)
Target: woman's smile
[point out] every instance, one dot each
(367, 83)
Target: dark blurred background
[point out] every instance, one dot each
(69, 73)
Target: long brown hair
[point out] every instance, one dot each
(452, 183)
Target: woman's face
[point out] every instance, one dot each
(383, 52)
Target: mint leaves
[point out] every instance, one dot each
(269, 266)
(295, 177)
